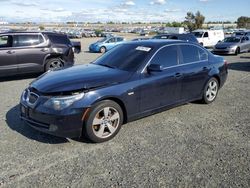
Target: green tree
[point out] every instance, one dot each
(199, 20)
(243, 21)
(193, 22)
(41, 27)
(190, 21)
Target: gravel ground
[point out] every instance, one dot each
(193, 145)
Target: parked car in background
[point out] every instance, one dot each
(105, 44)
(139, 39)
(26, 52)
(208, 38)
(232, 45)
(133, 80)
(175, 36)
(77, 47)
(241, 33)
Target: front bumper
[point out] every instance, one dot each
(224, 51)
(67, 126)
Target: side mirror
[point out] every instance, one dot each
(155, 68)
(219, 41)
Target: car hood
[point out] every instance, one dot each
(81, 77)
(226, 44)
(95, 44)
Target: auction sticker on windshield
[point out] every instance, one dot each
(143, 48)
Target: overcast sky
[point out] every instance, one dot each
(120, 10)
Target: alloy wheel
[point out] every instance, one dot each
(106, 122)
(212, 90)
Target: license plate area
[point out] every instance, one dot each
(24, 111)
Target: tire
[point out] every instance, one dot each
(103, 49)
(53, 63)
(104, 121)
(201, 44)
(237, 51)
(210, 91)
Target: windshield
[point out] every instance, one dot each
(231, 39)
(102, 40)
(239, 33)
(198, 34)
(127, 57)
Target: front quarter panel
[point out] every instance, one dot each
(127, 93)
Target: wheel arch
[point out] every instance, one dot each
(50, 56)
(120, 103)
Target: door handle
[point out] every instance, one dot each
(178, 75)
(10, 52)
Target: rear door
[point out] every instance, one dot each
(30, 51)
(8, 61)
(194, 69)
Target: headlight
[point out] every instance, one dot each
(60, 103)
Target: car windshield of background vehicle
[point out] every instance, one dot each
(198, 34)
(231, 39)
(127, 57)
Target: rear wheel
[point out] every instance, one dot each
(104, 121)
(210, 91)
(53, 63)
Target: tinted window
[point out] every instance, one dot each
(192, 53)
(128, 57)
(203, 54)
(59, 39)
(5, 41)
(206, 34)
(111, 40)
(119, 39)
(27, 40)
(167, 57)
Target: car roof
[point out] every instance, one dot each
(31, 32)
(167, 34)
(158, 42)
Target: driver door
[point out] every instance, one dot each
(8, 60)
(161, 88)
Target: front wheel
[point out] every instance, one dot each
(210, 91)
(103, 49)
(237, 51)
(104, 121)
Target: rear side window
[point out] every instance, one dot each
(192, 54)
(59, 39)
(205, 34)
(6, 41)
(27, 40)
(167, 57)
(119, 39)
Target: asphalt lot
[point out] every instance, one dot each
(193, 145)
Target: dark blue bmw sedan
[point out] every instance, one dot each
(133, 80)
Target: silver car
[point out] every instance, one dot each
(232, 45)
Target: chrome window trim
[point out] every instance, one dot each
(149, 61)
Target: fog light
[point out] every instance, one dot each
(53, 127)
